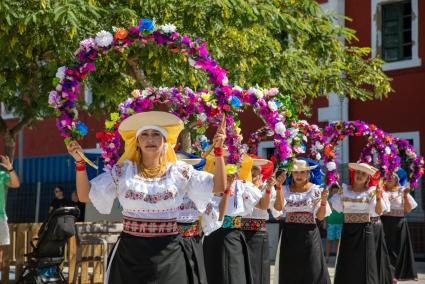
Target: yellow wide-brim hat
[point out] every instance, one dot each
(244, 169)
(363, 167)
(167, 122)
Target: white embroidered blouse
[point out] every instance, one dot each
(348, 201)
(189, 213)
(264, 214)
(308, 201)
(157, 198)
(396, 200)
(243, 198)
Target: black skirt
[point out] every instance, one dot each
(226, 257)
(301, 257)
(356, 262)
(399, 244)
(258, 251)
(141, 260)
(194, 254)
(385, 270)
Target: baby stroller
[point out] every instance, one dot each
(43, 263)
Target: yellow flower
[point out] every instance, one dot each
(135, 93)
(115, 116)
(109, 124)
(231, 169)
(205, 96)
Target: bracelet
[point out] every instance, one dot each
(11, 170)
(268, 191)
(323, 203)
(218, 151)
(226, 191)
(278, 188)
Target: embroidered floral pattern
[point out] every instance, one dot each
(188, 229)
(232, 222)
(249, 224)
(150, 198)
(300, 218)
(187, 205)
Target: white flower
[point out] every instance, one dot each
(259, 94)
(202, 117)
(298, 149)
(305, 138)
(293, 131)
(201, 138)
(331, 166)
(318, 156)
(225, 81)
(104, 39)
(368, 158)
(303, 122)
(61, 72)
(192, 62)
(168, 28)
(272, 105)
(237, 88)
(387, 150)
(318, 145)
(272, 92)
(280, 128)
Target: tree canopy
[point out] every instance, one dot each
(289, 44)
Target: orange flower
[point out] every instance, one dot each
(121, 34)
(388, 139)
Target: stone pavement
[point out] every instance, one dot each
(420, 266)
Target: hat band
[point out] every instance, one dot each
(152, 127)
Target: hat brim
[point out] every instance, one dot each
(303, 169)
(157, 118)
(260, 162)
(191, 161)
(363, 168)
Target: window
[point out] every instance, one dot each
(265, 149)
(397, 31)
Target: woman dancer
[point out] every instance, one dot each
(397, 236)
(150, 188)
(362, 249)
(301, 258)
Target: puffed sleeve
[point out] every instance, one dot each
(412, 201)
(336, 202)
(251, 196)
(199, 185)
(275, 213)
(210, 221)
(104, 189)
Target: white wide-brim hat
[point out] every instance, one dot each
(363, 167)
(190, 161)
(301, 165)
(259, 162)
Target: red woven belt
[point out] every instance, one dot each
(150, 227)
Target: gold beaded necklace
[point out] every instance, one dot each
(154, 172)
